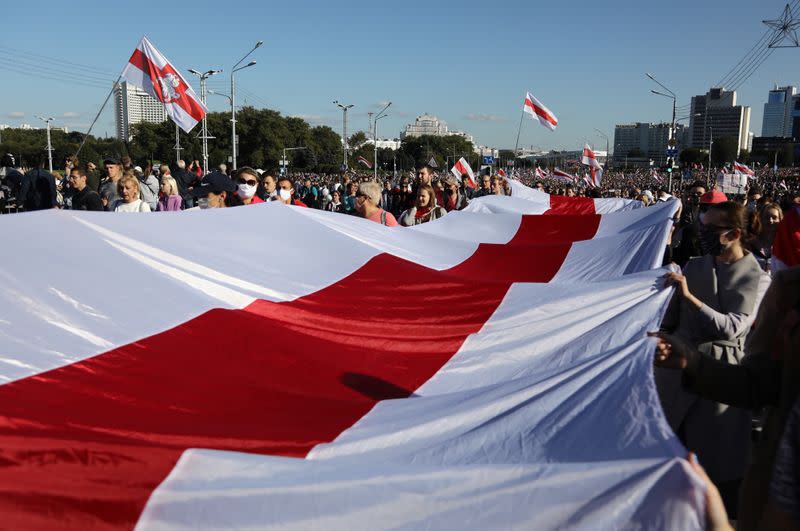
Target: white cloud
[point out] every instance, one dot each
(311, 118)
(71, 114)
(485, 118)
(16, 114)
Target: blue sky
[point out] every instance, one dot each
(469, 63)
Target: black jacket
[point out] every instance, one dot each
(87, 199)
(38, 191)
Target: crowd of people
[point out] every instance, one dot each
(727, 357)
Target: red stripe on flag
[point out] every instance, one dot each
(83, 446)
(143, 63)
(561, 205)
(540, 112)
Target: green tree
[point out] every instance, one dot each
(724, 150)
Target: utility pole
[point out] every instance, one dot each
(344, 108)
(204, 123)
(233, 101)
(49, 147)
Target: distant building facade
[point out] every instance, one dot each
(134, 106)
(646, 140)
(427, 124)
(715, 115)
(777, 121)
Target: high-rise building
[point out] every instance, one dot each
(715, 115)
(133, 106)
(645, 140)
(425, 124)
(778, 112)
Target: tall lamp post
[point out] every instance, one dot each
(235, 69)
(599, 132)
(344, 109)
(204, 123)
(49, 147)
(378, 116)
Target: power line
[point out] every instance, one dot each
(15, 52)
(753, 59)
(10, 66)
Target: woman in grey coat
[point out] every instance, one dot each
(713, 307)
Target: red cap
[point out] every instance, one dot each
(713, 196)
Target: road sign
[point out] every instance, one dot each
(488, 159)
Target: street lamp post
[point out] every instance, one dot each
(344, 109)
(233, 99)
(606, 137)
(49, 147)
(375, 138)
(204, 123)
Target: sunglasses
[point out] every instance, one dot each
(251, 182)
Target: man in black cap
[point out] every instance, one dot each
(108, 188)
(38, 190)
(216, 190)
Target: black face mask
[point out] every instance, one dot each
(709, 241)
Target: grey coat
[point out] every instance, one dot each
(719, 434)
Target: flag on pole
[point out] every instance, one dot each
(540, 174)
(538, 111)
(501, 173)
(365, 162)
(564, 176)
(462, 167)
(595, 168)
(740, 168)
(149, 70)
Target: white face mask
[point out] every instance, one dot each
(285, 194)
(246, 191)
(202, 203)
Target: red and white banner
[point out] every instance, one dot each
(540, 174)
(564, 176)
(365, 162)
(149, 70)
(462, 168)
(171, 383)
(538, 111)
(738, 167)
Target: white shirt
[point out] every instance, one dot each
(133, 206)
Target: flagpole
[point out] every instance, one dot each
(519, 130)
(113, 88)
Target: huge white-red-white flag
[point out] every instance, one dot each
(462, 168)
(149, 70)
(538, 111)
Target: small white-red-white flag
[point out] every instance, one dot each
(595, 168)
(654, 174)
(738, 167)
(535, 108)
(462, 167)
(501, 173)
(564, 176)
(149, 70)
(365, 162)
(540, 174)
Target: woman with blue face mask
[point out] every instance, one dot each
(715, 300)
